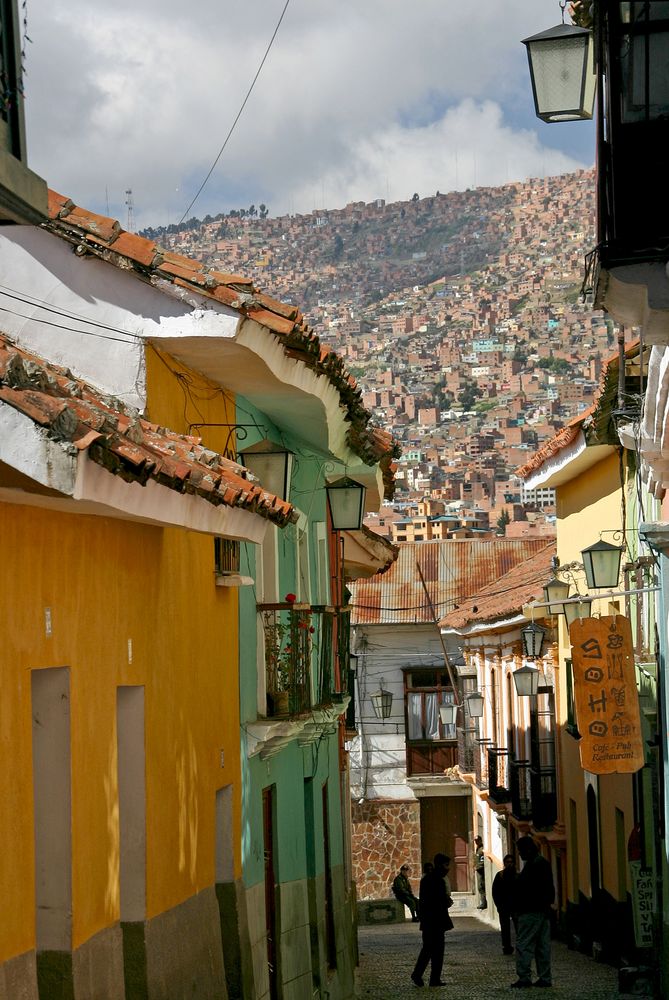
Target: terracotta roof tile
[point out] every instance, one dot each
(118, 439)
(108, 240)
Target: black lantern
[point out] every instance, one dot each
(346, 500)
(382, 702)
(271, 465)
(526, 680)
(562, 73)
(475, 704)
(579, 609)
(533, 640)
(555, 592)
(601, 562)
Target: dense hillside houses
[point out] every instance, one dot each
(461, 317)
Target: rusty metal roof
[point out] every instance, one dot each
(453, 569)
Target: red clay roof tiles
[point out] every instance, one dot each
(121, 441)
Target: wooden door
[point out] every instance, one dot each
(270, 891)
(444, 826)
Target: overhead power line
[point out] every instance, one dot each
(238, 116)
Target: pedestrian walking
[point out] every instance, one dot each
(534, 895)
(402, 890)
(434, 902)
(479, 868)
(503, 887)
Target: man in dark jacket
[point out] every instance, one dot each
(503, 888)
(402, 891)
(434, 901)
(533, 897)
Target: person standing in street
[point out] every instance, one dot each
(533, 897)
(503, 886)
(402, 891)
(434, 901)
(479, 868)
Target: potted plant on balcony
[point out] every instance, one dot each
(288, 650)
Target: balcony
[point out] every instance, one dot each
(304, 646)
(481, 763)
(521, 789)
(544, 797)
(498, 776)
(467, 748)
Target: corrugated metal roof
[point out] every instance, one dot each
(453, 569)
(507, 596)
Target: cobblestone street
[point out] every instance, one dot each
(474, 966)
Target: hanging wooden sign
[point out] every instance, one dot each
(607, 701)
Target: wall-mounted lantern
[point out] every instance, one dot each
(601, 562)
(475, 705)
(556, 592)
(382, 702)
(448, 713)
(577, 610)
(346, 500)
(526, 680)
(271, 464)
(562, 72)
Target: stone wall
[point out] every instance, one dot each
(386, 835)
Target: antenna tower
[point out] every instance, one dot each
(131, 211)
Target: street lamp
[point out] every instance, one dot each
(526, 680)
(555, 593)
(601, 562)
(271, 464)
(475, 705)
(346, 500)
(581, 609)
(533, 639)
(562, 72)
(448, 713)
(382, 702)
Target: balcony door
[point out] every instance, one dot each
(430, 745)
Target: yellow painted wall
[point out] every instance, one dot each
(588, 505)
(107, 581)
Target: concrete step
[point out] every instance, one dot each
(464, 904)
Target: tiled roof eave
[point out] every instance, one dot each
(105, 239)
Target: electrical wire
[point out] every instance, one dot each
(238, 116)
(31, 300)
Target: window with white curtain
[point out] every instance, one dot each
(426, 690)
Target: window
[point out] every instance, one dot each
(226, 555)
(572, 727)
(426, 691)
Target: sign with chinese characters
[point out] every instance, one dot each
(607, 701)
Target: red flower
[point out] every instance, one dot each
(290, 598)
(312, 629)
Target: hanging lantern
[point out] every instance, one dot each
(271, 464)
(601, 562)
(562, 72)
(577, 610)
(475, 705)
(448, 712)
(533, 640)
(382, 703)
(555, 592)
(526, 680)
(346, 500)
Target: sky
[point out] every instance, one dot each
(357, 100)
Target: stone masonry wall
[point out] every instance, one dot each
(386, 835)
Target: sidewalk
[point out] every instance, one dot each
(474, 967)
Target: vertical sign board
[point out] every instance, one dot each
(643, 903)
(607, 701)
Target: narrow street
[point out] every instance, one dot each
(474, 966)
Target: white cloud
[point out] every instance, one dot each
(358, 99)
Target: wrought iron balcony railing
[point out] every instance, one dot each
(544, 797)
(498, 775)
(467, 748)
(521, 789)
(304, 649)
